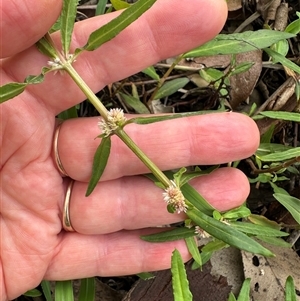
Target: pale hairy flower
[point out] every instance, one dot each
(174, 197)
(201, 233)
(115, 119)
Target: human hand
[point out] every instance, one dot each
(124, 205)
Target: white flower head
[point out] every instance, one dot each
(115, 119)
(201, 233)
(174, 198)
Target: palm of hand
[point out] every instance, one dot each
(33, 244)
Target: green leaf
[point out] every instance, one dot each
(34, 79)
(196, 199)
(46, 290)
(279, 242)
(134, 103)
(293, 27)
(289, 116)
(68, 114)
(11, 90)
(281, 59)
(236, 213)
(114, 27)
(281, 156)
(231, 297)
(119, 4)
(290, 291)
(268, 148)
(291, 203)
(186, 177)
(64, 291)
(87, 289)
(68, 15)
(263, 221)
(244, 294)
(99, 164)
(150, 71)
(171, 87)
(243, 67)
(101, 6)
(170, 235)
(281, 47)
(158, 118)
(46, 47)
(227, 233)
(193, 249)
(180, 283)
(145, 276)
(257, 229)
(239, 42)
(33, 293)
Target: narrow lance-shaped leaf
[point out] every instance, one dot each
(11, 90)
(45, 46)
(87, 289)
(171, 87)
(114, 27)
(193, 249)
(67, 20)
(170, 235)
(289, 116)
(239, 42)
(290, 292)
(180, 283)
(281, 156)
(99, 164)
(282, 60)
(226, 233)
(244, 294)
(152, 119)
(45, 284)
(291, 203)
(64, 291)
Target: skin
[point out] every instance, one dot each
(124, 205)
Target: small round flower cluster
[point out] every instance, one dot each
(201, 233)
(174, 198)
(115, 119)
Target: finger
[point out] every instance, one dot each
(22, 24)
(169, 28)
(207, 139)
(116, 254)
(135, 202)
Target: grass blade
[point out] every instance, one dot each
(227, 233)
(281, 156)
(99, 164)
(114, 27)
(180, 283)
(245, 291)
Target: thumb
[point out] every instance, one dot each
(25, 22)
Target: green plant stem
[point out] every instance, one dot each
(86, 90)
(120, 132)
(143, 157)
